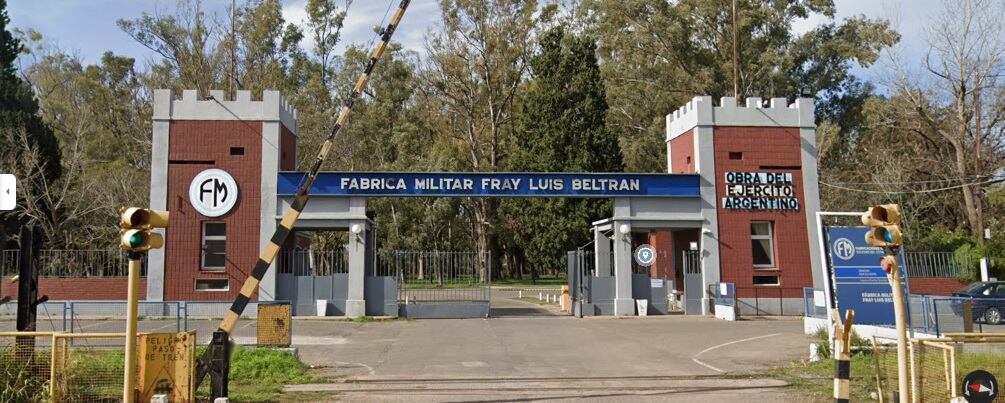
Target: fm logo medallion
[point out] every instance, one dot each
(213, 192)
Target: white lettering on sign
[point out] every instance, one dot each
(760, 191)
(213, 192)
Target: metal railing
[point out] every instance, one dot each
(314, 262)
(937, 264)
(438, 276)
(939, 315)
(72, 263)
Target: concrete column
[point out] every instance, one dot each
(158, 187)
(601, 253)
(355, 304)
(709, 239)
(624, 304)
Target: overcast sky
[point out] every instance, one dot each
(88, 27)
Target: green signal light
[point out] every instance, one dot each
(135, 240)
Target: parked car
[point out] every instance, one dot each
(988, 300)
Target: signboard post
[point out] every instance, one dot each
(859, 281)
(166, 366)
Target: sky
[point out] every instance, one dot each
(88, 27)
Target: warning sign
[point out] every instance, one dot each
(166, 366)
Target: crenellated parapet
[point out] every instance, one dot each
(700, 111)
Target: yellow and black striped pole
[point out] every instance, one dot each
(293, 212)
(842, 355)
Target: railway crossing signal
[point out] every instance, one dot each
(136, 224)
(885, 223)
(136, 237)
(885, 233)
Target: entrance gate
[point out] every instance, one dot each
(435, 284)
(692, 282)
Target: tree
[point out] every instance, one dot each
(959, 98)
(476, 62)
(562, 128)
(656, 55)
(22, 131)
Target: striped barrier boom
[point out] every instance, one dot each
(292, 213)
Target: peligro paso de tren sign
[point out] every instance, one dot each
(760, 191)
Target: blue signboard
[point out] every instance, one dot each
(493, 184)
(860, 282)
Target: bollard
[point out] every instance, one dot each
(842, 355)
(540, 296)
(520, 294)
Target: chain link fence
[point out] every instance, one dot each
(87, 367)
(25, 366)
(937, 367)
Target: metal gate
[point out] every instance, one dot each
(435, 284)
(308, 276)
(693, 290)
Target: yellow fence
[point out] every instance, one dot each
(938, 366)
(61, 367)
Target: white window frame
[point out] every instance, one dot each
(771, 243)
(195, 285)
(202, 249)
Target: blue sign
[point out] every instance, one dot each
(645, 255)
(493, 184)
(860, 282)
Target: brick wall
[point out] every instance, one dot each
(288, 151)
(77, 289)
(763, 150)
(194, 147)
(934, 285)
(682, 153)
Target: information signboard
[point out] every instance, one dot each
(493, 184)
(860, 282)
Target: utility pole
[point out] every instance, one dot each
(736, 67)
(979, 204)
(231, 83)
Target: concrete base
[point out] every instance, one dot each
(456, 310)
(706, 304)
(812, 325)
(624, 307)
(355, 308)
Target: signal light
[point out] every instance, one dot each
(885, 223)
(136, 224)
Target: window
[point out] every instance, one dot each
(765, 280)
(214, 246)
(212, 284)
(734, 155)
(762, 244)
(236, 150)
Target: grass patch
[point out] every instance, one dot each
(259, 374)
(534, 300)
(815, 380)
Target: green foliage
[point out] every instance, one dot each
(562, 127)
(28, 148)
(657, 55)
(24, 380)
(258, 374)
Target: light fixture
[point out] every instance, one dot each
(624, 229)
(356, 229)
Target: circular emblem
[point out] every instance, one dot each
(213, 192)
(844, 249)
(645, 255)
(980, 387)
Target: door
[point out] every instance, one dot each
(693, 289)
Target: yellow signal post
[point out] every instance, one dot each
(136, 237)
(885, 233)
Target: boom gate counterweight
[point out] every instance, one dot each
(290, 216)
